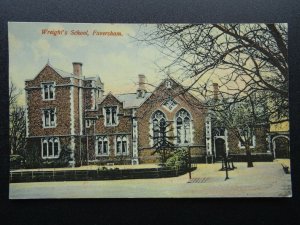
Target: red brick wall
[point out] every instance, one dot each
(261, 143)
(185, 101)
(36, 103)
(123, 127)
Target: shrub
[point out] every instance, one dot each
(62, 161)
(179, 159)
(16, 161)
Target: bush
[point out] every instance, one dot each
(16, 161)
(62, 161)
(180, 159)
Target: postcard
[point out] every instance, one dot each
(102, 110)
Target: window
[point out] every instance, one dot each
(183, 127)
(170, 103)
(110, 114)
(247, 135)
(168, 84)
(140, 93)
(158, 123)
(48, 91)
(49, 118)
(102, 145)
(121, 145)
(219, 131)
(50, 148)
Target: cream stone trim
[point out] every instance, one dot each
(26, 114)
(72, 119)
(80, 108)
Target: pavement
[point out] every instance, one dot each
(265, 179)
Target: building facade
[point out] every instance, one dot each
(69, 114)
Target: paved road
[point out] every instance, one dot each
(263, 180)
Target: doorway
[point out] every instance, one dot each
(220, 148)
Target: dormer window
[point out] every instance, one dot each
(48, 91)
(140, 93)
(110, 114)
(168, 84)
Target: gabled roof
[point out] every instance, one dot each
(65, 74)
(61, 72)
(130, 100)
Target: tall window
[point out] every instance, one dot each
(121, 145)
(50, 148)
(110, 114)
(183, 127)
(49, 118)
(158, 122)
(102, 145)
(48, 91)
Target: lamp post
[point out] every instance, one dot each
(190, 163)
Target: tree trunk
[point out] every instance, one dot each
(248, 156)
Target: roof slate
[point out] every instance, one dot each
(130, 100)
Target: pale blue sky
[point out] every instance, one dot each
(118, 60)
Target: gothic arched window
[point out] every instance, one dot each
(183, 127)
(158, 122)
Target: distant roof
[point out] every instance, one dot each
(130, 100)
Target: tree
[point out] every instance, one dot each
(240, 118)
(17, 120)
(242, 58)
(17, 130)
(163, 141)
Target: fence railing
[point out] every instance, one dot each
(83, 175)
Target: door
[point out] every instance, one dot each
(220, 148)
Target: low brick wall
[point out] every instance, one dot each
(256, 157)
(82, 175)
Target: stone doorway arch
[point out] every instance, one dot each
(281, 146)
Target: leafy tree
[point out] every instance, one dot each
(180, 159)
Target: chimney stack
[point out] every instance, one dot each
(141, 90)
(77, 68)
(216, 90)
(142, 78)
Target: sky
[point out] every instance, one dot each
(116, 59)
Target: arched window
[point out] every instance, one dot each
(158, 122)
(121, 145)
(48, 91)
(45, 149)
(183, 127)
(56, 147)
(50, 147)
(102, 145)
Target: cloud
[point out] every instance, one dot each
(72, 42)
